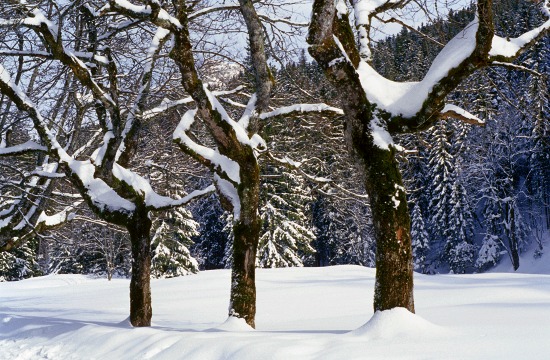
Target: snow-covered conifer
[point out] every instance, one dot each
(459, 241)
(441, 168)
(286, 235)
(170, 245)
(19, 263)
(420, 240)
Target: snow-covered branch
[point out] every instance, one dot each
(133, 121)
(29, 146)
(364, 11)
(508, 49)
(516, 67)
(461, 114)
(152, 12)
(47, 31)
(206, 156)
(153, 201)
(301, 108)
(100, 195)
(48, 222)
(169, 104)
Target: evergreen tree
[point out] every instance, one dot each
(441, 167)
(210, 245)
(459, 245)
(420, 240)
(286, 235)
(20, 263)
(170, 245)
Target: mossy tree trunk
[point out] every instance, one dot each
(139, 228)
(246, 232)
(248, 225)
(394, 262)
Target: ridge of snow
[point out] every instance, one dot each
(397, 323)
(231, 193)
(27, 146)
(301, 108)
(147, 10)
(380, 136)
(234, 324)
(461, 112)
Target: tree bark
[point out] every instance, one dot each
(394, 263)
(139, 228)
(246, 232)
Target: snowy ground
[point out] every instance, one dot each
(304, 313)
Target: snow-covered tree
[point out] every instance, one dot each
(376, 109)
(286, 236)
(460, 238)
(420, 240)
(103, 98)
(210, 244)
(20, 263)
(170, 245)
(441, 173)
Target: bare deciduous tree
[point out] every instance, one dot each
(377, 108)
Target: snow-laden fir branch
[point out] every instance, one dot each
(152, 11)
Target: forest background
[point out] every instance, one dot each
(478, 196)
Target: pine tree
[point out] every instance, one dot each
(286, 235)
(441, 167)
(20, 263)
(459, 245)
(539, 179)
(420, 240)
(170, 245)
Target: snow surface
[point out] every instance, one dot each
(303, 313)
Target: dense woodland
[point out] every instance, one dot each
(477, 196)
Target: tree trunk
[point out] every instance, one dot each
(512, 238)
(383, 181)
(139, 229)
(394, 265)
(246, 233)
